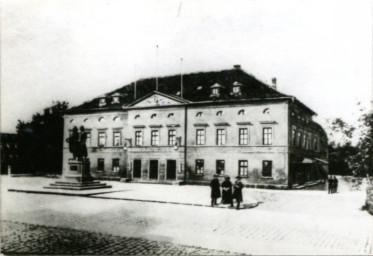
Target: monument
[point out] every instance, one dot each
(78, 175)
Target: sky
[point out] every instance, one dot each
(75, 50)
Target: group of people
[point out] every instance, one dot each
(332, 185)
(77, 143)
(228, 195)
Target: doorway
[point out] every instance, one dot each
(137, 169)
(153, 169)
(171, 169)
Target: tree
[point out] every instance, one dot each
(41, 141)
(356, 159)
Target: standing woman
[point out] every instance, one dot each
(335, 182)
(215, 190)
(237, 191)
(227, 192)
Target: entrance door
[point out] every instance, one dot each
(171, 169)
(137, 169)
(153, 169)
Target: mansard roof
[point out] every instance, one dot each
(197, 89)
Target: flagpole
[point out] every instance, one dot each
(156, 78)
(135, 88)
(181, 78)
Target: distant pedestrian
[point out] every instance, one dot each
(330, 185)
(335, 184)
(237, 191)
(227, 191)
(215, 190)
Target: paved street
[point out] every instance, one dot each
(20, 238)
(286, 222)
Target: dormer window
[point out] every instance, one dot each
(237, 88)
(215, 90)
(116, 98)
(102, 102)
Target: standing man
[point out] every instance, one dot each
(330, 185)
(215, 190)
(335, 184)
(227, 192)
(237, 191)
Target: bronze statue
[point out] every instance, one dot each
(77, 143)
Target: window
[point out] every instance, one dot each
(200, 166)
(116, 99)
(153, 115)
(199, 114)
(100, 165)
(117, 137)
(316, 145)
(266, 111)
(116, 167)
(267, 169)
(267, 136)
(155, 138)
(170, 115)
(200, 137)
(171, 137)
(307, 146)
(304, 141)
(220, 167)
(243, 168)
(100, 119)
(138, 138)
(220, 137)
(102, 102)
(137, 116)
(101, 139)
(243, 136)
(299, 139)
(241, 112)
(88, 141)
(236, 89)
(293, 137)
(215, 91)
(219, 113)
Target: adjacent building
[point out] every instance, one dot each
(223, 122)
(9, 153)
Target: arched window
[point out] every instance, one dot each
(266, 111)
(137, 116)
(219, 113)
(241, 112)
(100, 119)
(199, 114)
(72, 120)
(85, 120)
(153, 115)
(117, 118)
(170, 115)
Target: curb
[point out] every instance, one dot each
(253, 205)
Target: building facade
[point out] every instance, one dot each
(9, 153)
(225, 123)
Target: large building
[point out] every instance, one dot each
(225, 122)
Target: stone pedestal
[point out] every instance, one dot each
(78, 177)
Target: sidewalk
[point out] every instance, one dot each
(186, 195)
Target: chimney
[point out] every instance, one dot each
(237, 66)
(274, 83)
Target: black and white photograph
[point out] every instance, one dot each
(186, 127)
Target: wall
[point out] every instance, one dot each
(94, 123)
(256, 117)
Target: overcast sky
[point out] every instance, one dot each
(320, 51)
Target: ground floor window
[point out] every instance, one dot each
(220, 167)
(100, 165)
(116, 167)
(243, 168)
(200, 166)
(267, 168)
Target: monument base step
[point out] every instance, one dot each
(85, 185)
